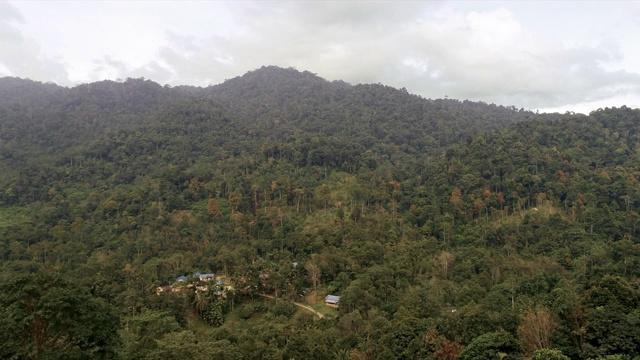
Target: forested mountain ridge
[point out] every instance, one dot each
(266, 98)
(450, 229)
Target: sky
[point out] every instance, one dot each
(539, 55)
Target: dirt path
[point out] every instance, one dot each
(306, 307)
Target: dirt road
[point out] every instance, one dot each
(306, 307)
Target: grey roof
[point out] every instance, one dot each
(332, 299)
(181, 278)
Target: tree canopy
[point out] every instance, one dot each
(449, 229)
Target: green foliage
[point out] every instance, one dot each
(436, 221)
(187, 345)
(613, 318)
(284, 308)
(214, 314)
(46, 317)
(9, 215)
(495, 345)
(549, 354)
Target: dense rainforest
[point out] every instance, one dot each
(449, 229)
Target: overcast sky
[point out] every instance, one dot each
(547, 55)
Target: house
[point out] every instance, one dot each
(204, 277)
(207, 277)
(181, 278)
(332, 300)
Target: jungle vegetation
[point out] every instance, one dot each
(450, 229)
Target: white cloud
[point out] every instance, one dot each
(492, 52)
(488, 56)
(22, 56)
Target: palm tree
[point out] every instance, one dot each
(201, 301)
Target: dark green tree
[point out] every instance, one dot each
(497, 345)
(613, 320)
(549, 354)
(46, 317)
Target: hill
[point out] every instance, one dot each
(449, 228)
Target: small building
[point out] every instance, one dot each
(204, 277)
(181, 278)
(332, 300)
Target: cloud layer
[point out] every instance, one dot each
(22, 56)
(433, 49)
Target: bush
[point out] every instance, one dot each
(549, 354)
(284, 308)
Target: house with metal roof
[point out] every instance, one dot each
(204, 277)
(332, 300)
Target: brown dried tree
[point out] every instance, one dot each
(534, 333)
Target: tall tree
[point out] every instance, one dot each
(534, 333)
(46, 317)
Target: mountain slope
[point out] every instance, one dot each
(444, 225)
(54, 118)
